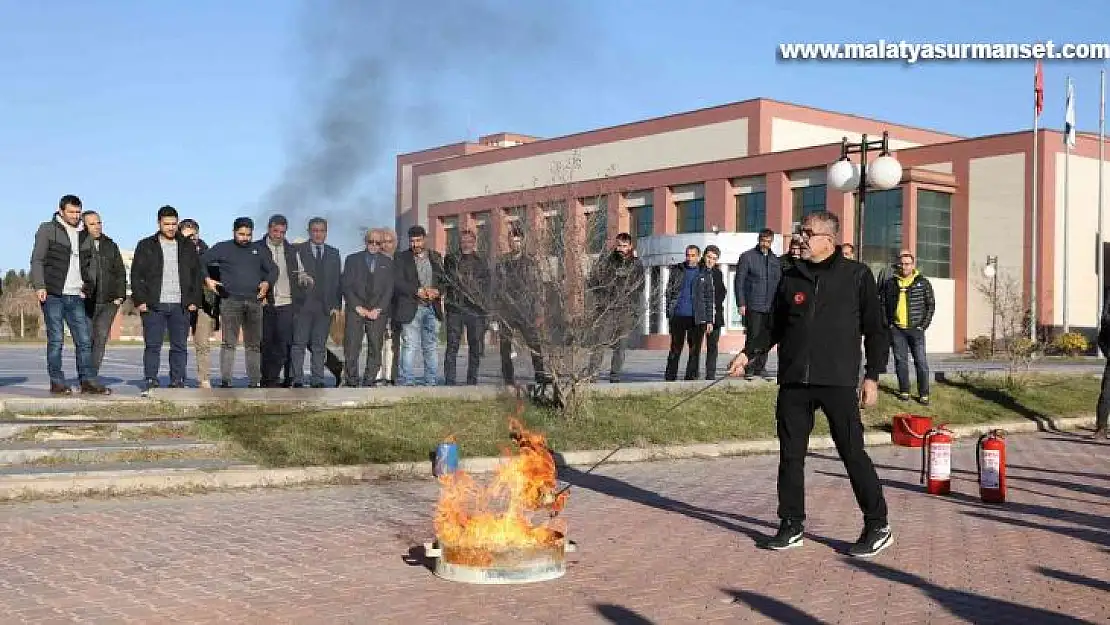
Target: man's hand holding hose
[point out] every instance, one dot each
(868, 391)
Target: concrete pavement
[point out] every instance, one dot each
(666, 542)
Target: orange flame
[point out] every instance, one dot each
(497, 516)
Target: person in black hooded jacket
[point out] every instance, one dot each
(709, 259)
(823, 305)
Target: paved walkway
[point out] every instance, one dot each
(23, 368)
(659, 543)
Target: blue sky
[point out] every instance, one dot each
(133, 104)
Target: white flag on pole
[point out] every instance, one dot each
(1069, 116)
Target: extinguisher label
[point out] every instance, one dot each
(940, 461)
(991, 463)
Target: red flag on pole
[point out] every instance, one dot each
(1038, 88)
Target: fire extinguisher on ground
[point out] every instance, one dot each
(936, 460)
(990, 463)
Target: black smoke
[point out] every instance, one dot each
(379, 76)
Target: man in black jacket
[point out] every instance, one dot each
(467, 281)
(165, 286)
(908, 306)
(418, 283)
(616, 286)
(1102, 410)
(757, 277)
(60, 275)
(107, 284)
(823, 304)
(516, 298)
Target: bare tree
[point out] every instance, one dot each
(1010, 318)
(559, 289)
(20, 307)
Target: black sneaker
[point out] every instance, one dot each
(152, 383)
(903, 396)
(788, 537)
(873, 540)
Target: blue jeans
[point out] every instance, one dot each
(156, 321)
(422, 333)
(60, 311)
(906, 343)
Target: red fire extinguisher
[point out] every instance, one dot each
(990, 463)
(936, 460)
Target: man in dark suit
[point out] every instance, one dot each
(417, 307)
(321, 297)
(368, 288)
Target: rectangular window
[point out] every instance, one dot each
(516, 217)
(641, 221)
(483, 233)
(597, 225)
(691, 215)
(882, 229)
(807, 200)
(554, 225)
(751, 212)
(934, 233)
(451, 229)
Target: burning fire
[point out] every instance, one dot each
(480, 519)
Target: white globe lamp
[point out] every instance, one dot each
(884, 172)
(989, 271)
(843, 176)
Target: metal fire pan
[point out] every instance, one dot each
(504, 566)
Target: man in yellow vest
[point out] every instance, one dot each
(909, 304)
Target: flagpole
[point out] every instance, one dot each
(1101, 139)
(1035, 229)
(1067, 194)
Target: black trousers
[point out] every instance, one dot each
(354, 329)
(684, 331)
(531, 344)
(475, 326)
(1102, 410)
(757, 324)
(277, 343)
(794, 415)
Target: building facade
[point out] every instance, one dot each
(726, 172)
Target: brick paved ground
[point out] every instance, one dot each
(660, 543)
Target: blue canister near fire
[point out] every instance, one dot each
(447, 458)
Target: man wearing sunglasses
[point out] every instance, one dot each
(822, 306)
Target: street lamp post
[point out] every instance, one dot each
(990, 271)
(883, 174)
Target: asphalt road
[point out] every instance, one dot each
(23, 367)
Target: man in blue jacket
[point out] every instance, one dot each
(757, 276)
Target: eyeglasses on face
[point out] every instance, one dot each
(808, 233)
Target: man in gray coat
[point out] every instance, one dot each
(757, 276)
